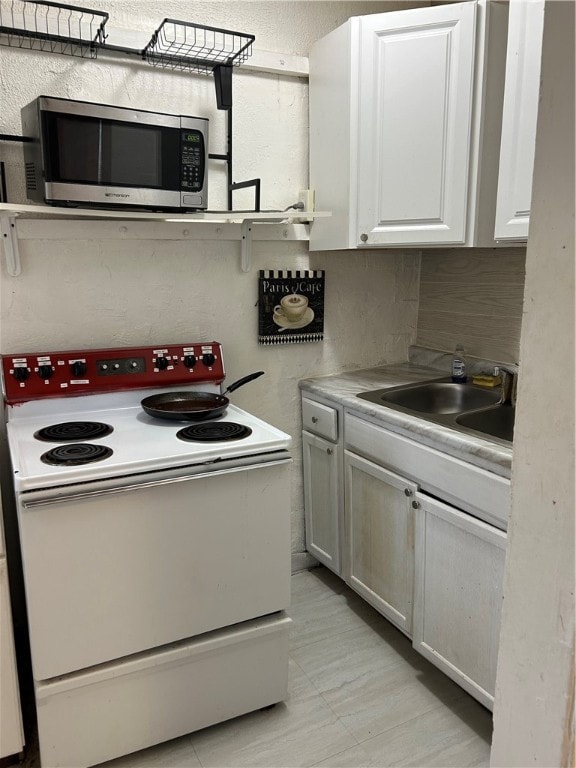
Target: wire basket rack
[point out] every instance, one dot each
(54, 27)
(196, 48)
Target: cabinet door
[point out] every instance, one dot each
(321, 461)
(520, 112)
(414, 124)
(459, 567)
(380, 538)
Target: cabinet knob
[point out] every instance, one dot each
(407, 492)
(314, 419)
(364, 237)
(415, 505)
(329, 451)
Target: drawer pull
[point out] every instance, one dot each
(314, 419)
(415, 505)
(329, 451)
(407, 492)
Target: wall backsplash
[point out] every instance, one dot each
(474, 297)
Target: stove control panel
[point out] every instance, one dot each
(29, 376)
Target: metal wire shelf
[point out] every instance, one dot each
(47, 26)
(196, 48)
(44, 25)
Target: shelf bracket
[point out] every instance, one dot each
(10, 242)
(247, 232)
(246, 251)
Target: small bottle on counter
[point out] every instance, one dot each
(459, 365)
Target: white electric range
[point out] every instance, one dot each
(156, 552)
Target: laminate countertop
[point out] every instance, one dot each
(342, 390)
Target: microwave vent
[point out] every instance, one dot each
(31, 185)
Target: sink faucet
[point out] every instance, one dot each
(509, 385)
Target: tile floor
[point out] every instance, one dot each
(359, 696)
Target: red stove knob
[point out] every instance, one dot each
(208, 359)
(162, 363)
(78, 368)
(45, 371)
(21, 374)
(189, 361)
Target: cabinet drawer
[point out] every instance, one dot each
(470, 488)
(320, 419)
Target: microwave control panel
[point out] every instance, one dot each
(192, 160)
(30, 376)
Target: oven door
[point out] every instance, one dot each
(114, 569)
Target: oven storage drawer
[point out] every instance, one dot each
(115, 709)
(110, 572)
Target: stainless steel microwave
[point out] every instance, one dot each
(97, 155)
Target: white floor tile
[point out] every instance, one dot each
(355, 757)
(315, 584)
(332, 615)
(373, 680)
(178, 753)
(440, 738)
(300, 732)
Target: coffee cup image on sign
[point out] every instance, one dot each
(293, 307)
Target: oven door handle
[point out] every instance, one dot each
(68, 498)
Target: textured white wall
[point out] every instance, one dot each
(90, 292)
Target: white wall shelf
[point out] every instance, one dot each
(45, 222)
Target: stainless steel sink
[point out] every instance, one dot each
(497, 422)
(465, 407)
(436, 397)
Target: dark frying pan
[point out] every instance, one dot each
(192, 406)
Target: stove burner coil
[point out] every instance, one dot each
(214, 431)
(73, 430)
(74, 454)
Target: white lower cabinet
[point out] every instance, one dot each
(322, 466)
(321, 462)
(459, 571)
(415, 532)
(380, 538)
(423, 547)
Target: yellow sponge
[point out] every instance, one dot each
(487, 380)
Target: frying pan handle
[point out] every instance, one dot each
(243, 380)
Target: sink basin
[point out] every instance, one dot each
(435, 397)
(465, 407)
(497, 422)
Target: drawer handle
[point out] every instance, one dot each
(314, 419)
(415, 505)
(329, 451)
(407, 492)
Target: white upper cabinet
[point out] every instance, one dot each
(416, 91)
(405, 111)
(519, 118)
